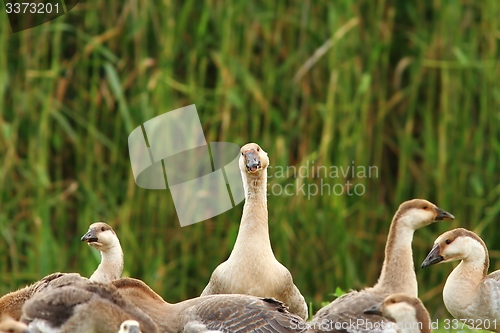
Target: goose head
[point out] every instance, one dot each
(253, 159)
(101, 236)
(401, 308)
(418, 213)
(456, 244)
(129, 326)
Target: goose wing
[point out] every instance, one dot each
(56, 280)
(82, 306)
(243, 313)
(346, 314)
(55, 307)
(11, 303)
(488, 297)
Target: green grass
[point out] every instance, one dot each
(411, 88)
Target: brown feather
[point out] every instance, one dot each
(83, 307)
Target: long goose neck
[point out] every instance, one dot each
(254, 228)
(111, 266)
(398, 272)
(469, 274)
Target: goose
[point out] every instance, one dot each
(226, 313)
(100, 236)
(9, 325)
(11, 303)
(397, 275)
(252, 268)
(407, 311)
(82, 307)
(103, 238)
(129, 326)
(469, 292)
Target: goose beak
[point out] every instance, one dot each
(252, 161)
(90, 236)
(134, 329)
(443, 215)
(434, 257)
(374, 310)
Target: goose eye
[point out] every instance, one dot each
(448, 242)
(258, 149)
(424, 208)
(242, 154)
(102, 228)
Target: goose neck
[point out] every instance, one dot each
(255, 186)
(477, 260)
(254, 227)
(398, 272)
(111, 266)
(463, 281)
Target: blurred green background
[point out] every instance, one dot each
(410, 87)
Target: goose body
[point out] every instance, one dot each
(408, 313)
(9, 325)
(100, 236)
(84, 307)
(397, 275)
(11, 303)
(469, 292)
(224, 313)
(103, 238)
(252, 268)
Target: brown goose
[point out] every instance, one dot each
(109, 269)
(252, 268)
(9, 325)
(11, 303)
(397, 276)
(103, 238)
(408, 313)
(470, 292)
(82, 307)
(226, 313)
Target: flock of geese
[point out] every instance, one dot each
(253, 292)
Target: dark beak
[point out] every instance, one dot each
(443, 215)
(433, 257)
(374, 310)
(252, 161)
(134, 329)
(90, 236)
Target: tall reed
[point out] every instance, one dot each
(410, 89)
